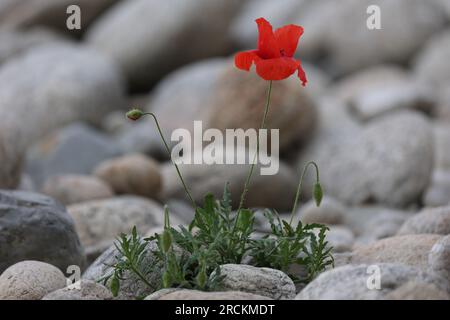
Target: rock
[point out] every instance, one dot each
(131, 174)
(51, 13)
(260, 281)
(340, 238)
(330, 211)
(350, 45)
(439, 257)
(410, 250)
(379, 101)
(48, 87)
(15, 42)
(442, 143)
(131, 287)
(438, 193)
(201, 295)
(240, 99)
(101, 220)
(87, 290)
(384, 224)
(54, 155)
(143, 45)
(417, 291)
(429, 220)
(430, 65)
(30, 280)
(71, 188)
(350, 282)
(39, 228)
(389, 161)
(271, 191)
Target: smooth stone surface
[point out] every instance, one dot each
(439, 258)
(36, 227)
(417, 291)
(429, 220)
(200, 295)
(87, 290)
(330, 211)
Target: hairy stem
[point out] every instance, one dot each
(170, 156)
(252, 167)
(299, 187)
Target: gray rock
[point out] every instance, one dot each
(438, 192)
(71, 188)
(131, 287)
(429, 220)
(417, 291)
(410, 250)
(340, 238)
(144, 45)
(271, 191)
(441, 132)
(131, 174)
(430, 65)
(330, 211)
(35, 227)
(389, 161)
(384, 224)
(350, 45)
(82, 290)
(201, 295)
(349, 282)
(261, 281)
(100, 220)
(51, 13)
(30, 280)
(439, 258)
(47, 88)
(54, 155)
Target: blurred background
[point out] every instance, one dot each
(375, 114)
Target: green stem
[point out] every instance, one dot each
(299, 187)
(252, 167)
(170, 156)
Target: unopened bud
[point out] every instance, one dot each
(134, 114)
(318, 194)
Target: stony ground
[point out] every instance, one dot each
(375, 116)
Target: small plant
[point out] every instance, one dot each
(190, 257)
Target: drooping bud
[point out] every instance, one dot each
(134, 114)
(317, 193)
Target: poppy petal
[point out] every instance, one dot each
(276, 69)
(302, 75)
(244, 60)
(267, 44)
(287, 38)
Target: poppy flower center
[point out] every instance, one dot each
(282, 52)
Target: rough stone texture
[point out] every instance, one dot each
(200, 295)
(131, 174)
(330, 211)
(439, 258)
(100, 220)
(410, 250)
(239, 103)
(389, 161)
(30, 280)
(51, 13)
(261, 281)
(131, 287)
(35, 227)
(70, 188)
(87, 290)
(271, 191)
(417, 291)
(349, 282)
(429, 220)
(148, 47)
(49, 87)
(54, 155)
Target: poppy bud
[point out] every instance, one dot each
(134, 114)
(318, 194)
(167, 281)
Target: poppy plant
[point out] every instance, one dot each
(274, 55)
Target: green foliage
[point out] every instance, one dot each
(191, 257)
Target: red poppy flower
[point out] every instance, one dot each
(274, 56)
